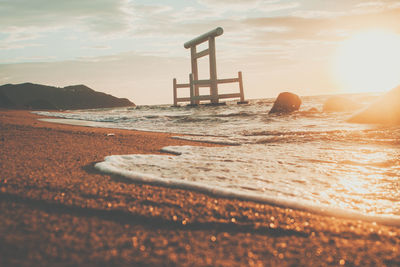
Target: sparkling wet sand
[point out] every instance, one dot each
(57, 210)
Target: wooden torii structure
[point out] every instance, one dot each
(195, 83)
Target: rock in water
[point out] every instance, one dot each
(340, 104)
(286, 103)
(386, 110)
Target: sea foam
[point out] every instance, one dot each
(312, 161)
(216, 171)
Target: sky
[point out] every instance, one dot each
(134, 48)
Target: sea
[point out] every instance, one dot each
(309, 160)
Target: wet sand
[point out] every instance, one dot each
(56, 210)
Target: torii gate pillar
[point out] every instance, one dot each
(210, 36)
(212, 83)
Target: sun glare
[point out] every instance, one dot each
(369, 62)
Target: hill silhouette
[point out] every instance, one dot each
(37, 96)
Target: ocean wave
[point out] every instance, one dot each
(218, 140)
(134, 167)
(190, 119)
(306, 158)
(237, 114)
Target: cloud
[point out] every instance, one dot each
(99, 15)
(295, 34)
(231, 4)
(312, 25)
(10, 46)
(374, 6)
(246, 5)
(270, 7)
(299, 39)
(312, 14)
(17, 35)
(318, 27)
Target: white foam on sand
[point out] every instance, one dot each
(216, 171)
(78, 122)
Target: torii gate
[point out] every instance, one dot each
(195, 83)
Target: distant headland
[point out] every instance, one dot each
(39, 97)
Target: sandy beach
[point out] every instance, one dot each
(56, 209)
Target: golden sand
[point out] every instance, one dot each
(56, 210)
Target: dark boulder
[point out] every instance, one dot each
(286, 103)
(340, 104)
(386, 110)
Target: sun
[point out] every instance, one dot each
(368, 61)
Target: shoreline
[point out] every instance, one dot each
(56, 209)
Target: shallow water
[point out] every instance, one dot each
(313, 161)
